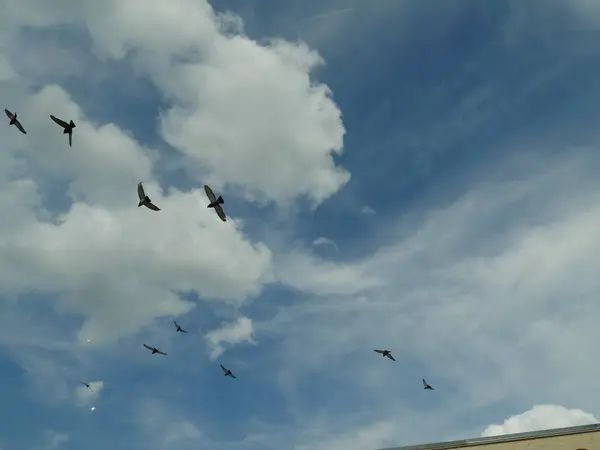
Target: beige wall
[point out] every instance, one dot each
(586, 441)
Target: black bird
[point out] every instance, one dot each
(14, 121)
(145, 200)
(181, 330)
(68, 127)
(154, 350)
(227, 372)
(385, 353)
(426, 386)
(87, 386)
(215, 202)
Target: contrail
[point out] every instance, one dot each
(331, 13)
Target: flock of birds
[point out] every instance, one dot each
(144, 200)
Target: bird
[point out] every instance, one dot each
(154, 350)
(145, 200)
(14, 121)
(87, 386)
(215, 202)
(426, 386)
(385, 353)
(227, 372)
(68, 127)
(181, 330)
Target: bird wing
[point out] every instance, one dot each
(176, 324)
(71, 139)
(209, 193)
(161, 353)
(9, 114)
(220, 213)
(391, 357)
(183, 331)
(85, 384)
(232, 375)
(379, 351)
(20, 127)
(223, 368)
(141, 193)
(148, 347)
(56, 120)
(152, 206)
(425, 383)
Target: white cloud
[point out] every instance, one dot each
(182, 430)
(53, 440)
(86, 396)
(252, 107)
(323, 241)
(230, 334)
(367, 210)
(541, 417)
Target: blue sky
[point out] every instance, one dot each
(413, 175)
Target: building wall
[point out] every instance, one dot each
(583, 441)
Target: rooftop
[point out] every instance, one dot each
(503, 438)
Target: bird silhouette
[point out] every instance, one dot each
(154, 350)
(215, 203)
(87, 386)
(67, 127)
(385, 353)
(145, 200)
(181, 330)
(14, 121)
(426, 386)
(227, 372)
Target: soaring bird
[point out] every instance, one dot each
(215, 202)
(87, 386)
(181, 330)
(14, 121)
(154, 350)
(145, 200)
(426, 386)
(227, 372)
(385, 353)
(68, 127)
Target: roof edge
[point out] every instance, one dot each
(502, 438)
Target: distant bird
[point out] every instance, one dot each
(181, 330)
(145, 200)
(426, 386)
(385, 353)
(215, 202)
(14, 121)
(227, 372)
(154, 350)
(87, 386)
(68, 127)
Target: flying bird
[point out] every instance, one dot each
(215, 202)
(87, 386)
(426, 386)
(385, 354)
(181, 330)
(154, 350)
(68, 127)
(14, 121)
(145, 200)
(227, 372)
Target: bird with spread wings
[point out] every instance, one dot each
(215, 203)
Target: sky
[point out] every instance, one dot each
(411, 175)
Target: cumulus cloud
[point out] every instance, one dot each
(237, 103)
(230, 334)
(541, 417)
(323, 241)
